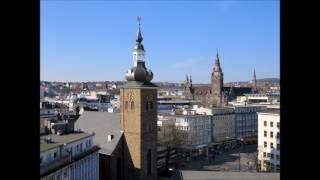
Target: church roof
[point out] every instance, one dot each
(201, 90)
(102, 124)
(238, 91)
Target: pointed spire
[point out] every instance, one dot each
(139, 36)
(217, 63)
(187, 78)
(217, 58)
(190, 79)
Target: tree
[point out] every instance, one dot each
(167, 138)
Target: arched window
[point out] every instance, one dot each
(132, 105)
(126, 105)
(147, 105)
(149, 163)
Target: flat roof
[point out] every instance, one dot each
(221, 175)
(60, 140)
(271, 112)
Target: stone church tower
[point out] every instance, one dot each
(139, 118)
(217, 84)
(188, 90)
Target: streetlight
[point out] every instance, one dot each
(241, 140)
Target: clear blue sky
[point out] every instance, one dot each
(93, 40)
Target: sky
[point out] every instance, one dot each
(84, 40)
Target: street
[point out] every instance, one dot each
(227, 161)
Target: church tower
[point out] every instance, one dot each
(138, 99)
(254, 82)
(217, 84)
(187, 88)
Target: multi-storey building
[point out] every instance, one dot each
(68, 157)
(193, 132)
(269, 141)
(223, 124)
(246, 122)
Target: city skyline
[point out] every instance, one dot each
(80, 42)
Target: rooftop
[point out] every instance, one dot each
(57, 140)
(102, 124)
(271, 112)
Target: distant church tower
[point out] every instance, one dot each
(188, 90)
(138, 98)
(217, 84)
(254, 82)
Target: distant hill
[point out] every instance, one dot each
(260, 82)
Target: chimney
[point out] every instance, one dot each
(110, 137)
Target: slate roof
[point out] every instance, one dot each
(102, 124)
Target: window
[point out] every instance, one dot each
(271, 145)
(132, 105)
(271, 134)
(264, 154)
(126, 105)
(265, 133)
(278, 157)
(151, 105)
(265, 144)
(41, 158)
(271, 124)
(269, 154)
(278, 146)
(265, 123)
(54, 155)
(278, 135)
(272, 156)
(278, 124)
(147, 105)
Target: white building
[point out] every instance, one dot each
(269, 141)
(202, 110)
(266, 98)
(68, 157)
(193, 132)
